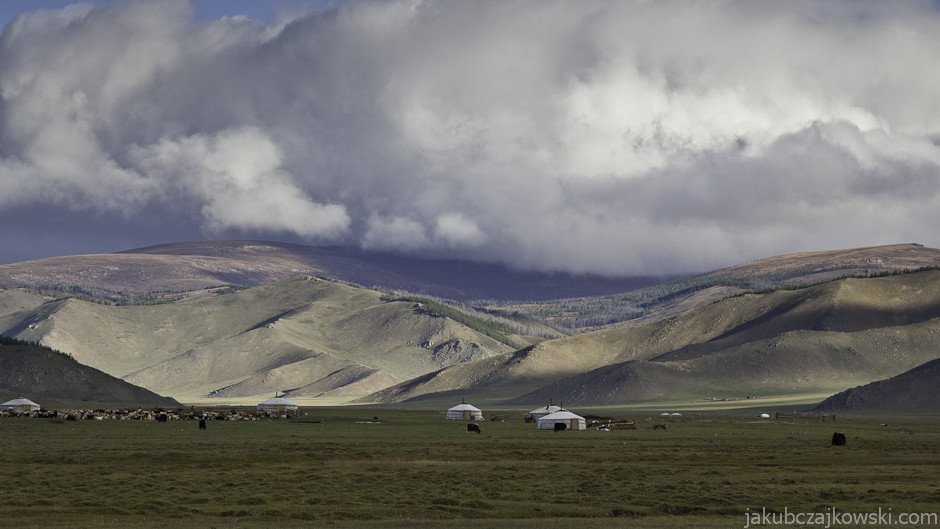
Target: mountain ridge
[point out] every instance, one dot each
(199, 265)
(332, 342)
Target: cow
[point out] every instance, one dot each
(659, 426)
(473, 428)
(202, 424)
(560, 426)
(838, 439)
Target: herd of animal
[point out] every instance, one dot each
(159, 415)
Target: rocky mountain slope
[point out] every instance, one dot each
(798, 343)
(303, 336)
(54, 379)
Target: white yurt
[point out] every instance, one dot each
(570, 420)
(19, 405)
(464, 412)
(538, 413)
(277, 405)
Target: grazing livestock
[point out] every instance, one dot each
(560, 426)
(659, 426)
(473, 428)
(202, 424)
(838, 439)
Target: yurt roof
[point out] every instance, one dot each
(277, 401)
(19, 402)
(545, 409)
(464, 407)
(561, 415)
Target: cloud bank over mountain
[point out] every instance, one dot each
(605, 137)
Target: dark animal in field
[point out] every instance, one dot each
(202, 424)
(162, 417)
(560, 426)
(473, 428)
(838, 439)
(659, 426)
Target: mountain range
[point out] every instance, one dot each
(846, 318)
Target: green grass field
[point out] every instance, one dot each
(414, 469)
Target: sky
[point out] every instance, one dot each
(605, 137)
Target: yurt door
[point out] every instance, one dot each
(467, 415)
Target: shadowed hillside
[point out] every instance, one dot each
(819, 339)
(54, 379)
(914, 391)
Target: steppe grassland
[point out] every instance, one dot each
(414, 469)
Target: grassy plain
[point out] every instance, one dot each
(414, 469)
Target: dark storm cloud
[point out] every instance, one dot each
(609, 137)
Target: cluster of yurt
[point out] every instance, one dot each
(19, 405)
(549, 417)
(464, 412)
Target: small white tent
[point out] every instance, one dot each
(538, 413)
(570, 420)
(464, 412)
(19, 405)
(277, 405)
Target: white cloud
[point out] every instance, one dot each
(457, 230)
(395, 234)
(236, 175)
(595, 136)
